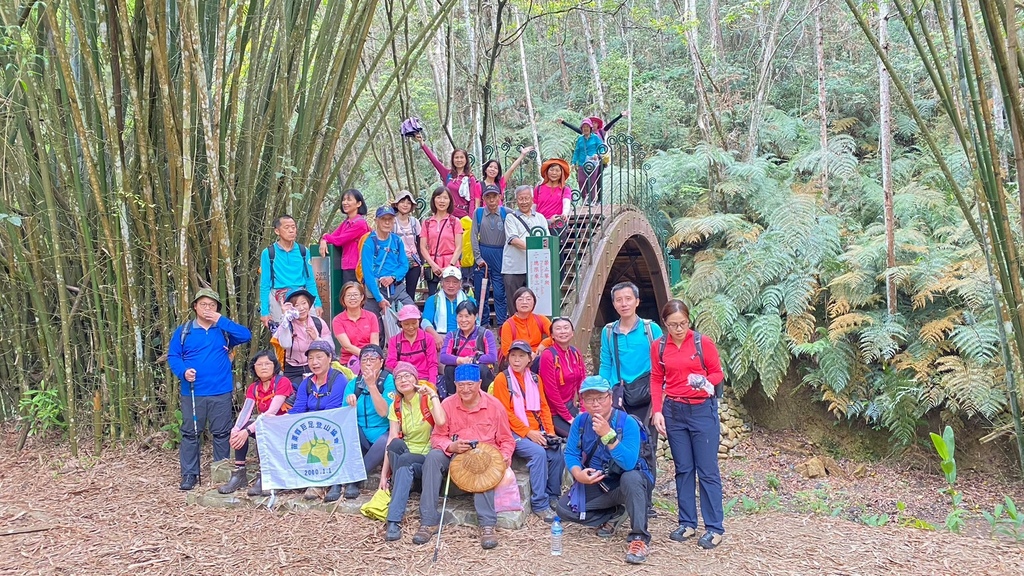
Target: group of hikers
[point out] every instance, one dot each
(445, 382)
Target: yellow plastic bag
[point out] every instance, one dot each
(377, 507)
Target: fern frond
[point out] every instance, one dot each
(936, 330)
(843, 325)
(800, 327)
(978, 342)
(844, 124)
(881, 340)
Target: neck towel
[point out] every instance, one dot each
(525, 398)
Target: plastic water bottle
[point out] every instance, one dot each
(556, 537)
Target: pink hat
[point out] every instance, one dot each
(409, 312)
(401, 367)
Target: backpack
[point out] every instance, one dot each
(308, 381)
(619, 417)
(503, 358)
(359, 249)
(557, 360)
(479, 217)
(424, 409)
(272, 252)
(398, 348)
(698, 345)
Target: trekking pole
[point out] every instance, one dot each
(195, 425)
(444, 505)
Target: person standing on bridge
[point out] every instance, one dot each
(552, 197)
(517, 228)
(458, 179)
(626, 360)
(494, 175)
(488, 240)
(441, 238)
(586, 157)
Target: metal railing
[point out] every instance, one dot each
(622, 183)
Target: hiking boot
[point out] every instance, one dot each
(423, 534)
(652, 512)
(394, 532)
(547, 515)
(682, 534)
(637, 552)
(188, 481)
(710, 540)
(333, 494)
(237, 480)
(311, 494)
(351, 491)
(488, 539)
(257, 487)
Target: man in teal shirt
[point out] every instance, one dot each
(284, 266)
(626, 359)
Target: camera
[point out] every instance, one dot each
(553, 442)
(473, 444)
(290, 315)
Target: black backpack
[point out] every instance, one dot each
(272, 252)
(698, 345)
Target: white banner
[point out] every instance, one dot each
(312, 449)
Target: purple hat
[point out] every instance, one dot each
(405, 367)
(321, 346)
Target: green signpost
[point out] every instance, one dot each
(327, 271)
(543, 274)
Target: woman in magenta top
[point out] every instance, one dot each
(552, 197)
(465, 199)
(346, 236)
(492, 173)
(440, 238)
(562, 370)
(413, 345)
(354, 327)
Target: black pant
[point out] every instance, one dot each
(212, 411)
(601, 506)
(295, 374)
(412, 280)
(512, 283)
(346, 277)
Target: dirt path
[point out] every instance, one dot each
(123, 514)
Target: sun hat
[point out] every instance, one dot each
(479, 469)
(402, 195)
(209, 293)
(409, 312)
(300, 292)
(555, 162)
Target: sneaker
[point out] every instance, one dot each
(423, 534)
(682, 534)
(710, 540)
(652, 512)
(548, 515)
(637, 552)
(607, 530)
(488, 539)
(188, 482)
(394, 532)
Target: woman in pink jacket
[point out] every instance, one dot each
(346, 236)
(562, 370)
(458, 179)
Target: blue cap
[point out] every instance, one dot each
(385, 210)
(595, 383)
(467, 373)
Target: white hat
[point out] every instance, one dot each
(452, 272)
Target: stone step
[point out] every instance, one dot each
(459, 511)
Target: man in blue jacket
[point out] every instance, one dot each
(384, 262)
(602, 453)
(199, 354)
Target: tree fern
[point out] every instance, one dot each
(978, 341)
(882, 338)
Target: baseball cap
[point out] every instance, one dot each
(451, 272)
(385, 210)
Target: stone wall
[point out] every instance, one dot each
(734, 426)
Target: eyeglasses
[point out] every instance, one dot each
(594, 400)
(405, 377)
(207, 305)
(677, 325)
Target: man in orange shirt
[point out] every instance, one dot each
(472, 415)
(522, 393)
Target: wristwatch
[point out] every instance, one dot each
(609, 438)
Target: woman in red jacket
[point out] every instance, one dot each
(685, 374)
(347, 235)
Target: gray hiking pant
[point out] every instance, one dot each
(212, 411)
(601, 507)
(434, 469)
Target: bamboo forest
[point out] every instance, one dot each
(831, 190)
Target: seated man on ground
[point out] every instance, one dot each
(370, 393)
(439, 310)
(472, 416)
(522, 393)
(324, 389)
(412, 417)
(268, 394)
(603, 455)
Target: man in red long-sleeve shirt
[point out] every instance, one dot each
(471, 415)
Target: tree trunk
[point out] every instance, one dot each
(885, 153)
(594, 69)
(602, 45)
(526, 87)
(717, 42)
(703, 111)
(819, 55)
(476, 143)
(765, 76)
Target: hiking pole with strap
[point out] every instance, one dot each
(195, 424)
(444, 505)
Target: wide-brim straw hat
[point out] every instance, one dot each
(554, 161)
(478, 470)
